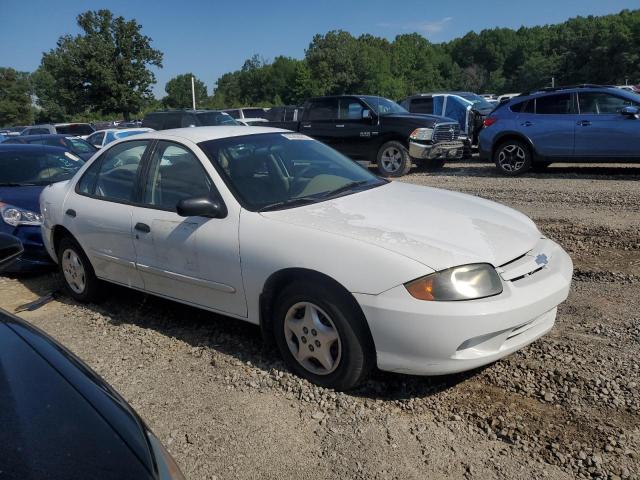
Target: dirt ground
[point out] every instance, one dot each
(567, 406)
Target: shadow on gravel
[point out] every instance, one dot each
(241, 340)
(584, 171)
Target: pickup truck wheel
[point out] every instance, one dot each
(322, 336)
(393, 160)
(512, 157)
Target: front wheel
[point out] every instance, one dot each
(512, 158)
(322, 336)
(393, 160)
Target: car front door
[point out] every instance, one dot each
(99, 212)
(551, 128)
(602, 130)
(355, 135)
(320, 119)
(192, 259)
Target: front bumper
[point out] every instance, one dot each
(35, 257)
(443, 150)
(435, 338)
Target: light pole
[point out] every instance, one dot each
(193, 93)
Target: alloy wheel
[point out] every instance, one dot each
(73, 271)
(312, 338)
(391, 159)
(512, 158)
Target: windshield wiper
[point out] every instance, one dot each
(292, 202)
(14, 184)
(344, 188)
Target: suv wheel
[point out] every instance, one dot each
(393, 160)
(321, 335)
(512, 157)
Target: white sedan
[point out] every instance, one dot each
(345, 270)
(103, 137)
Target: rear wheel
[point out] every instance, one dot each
(512, 157)
(393, 160)
(322, 336)
(78, 277)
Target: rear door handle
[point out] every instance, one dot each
(526, 124)
(340, 126)
(584, 123)
(306, 126)
(142, 227)
(71, 212)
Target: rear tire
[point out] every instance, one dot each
(78, 276)
(322, 336)
(393, 160)
(512, 157)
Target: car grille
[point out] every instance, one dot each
(446, 132)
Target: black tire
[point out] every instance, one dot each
(353, 351)
(93, 289)
(540, 166)
(432, 165)
(512, 157)
(393, 160)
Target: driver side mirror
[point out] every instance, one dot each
(201, 207)
(10, 249)
(630, 111)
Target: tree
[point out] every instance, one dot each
(15, 98)
(179, 92)
(104, 69)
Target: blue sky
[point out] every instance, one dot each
(212, 37)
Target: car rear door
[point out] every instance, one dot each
(602, 131)
(194, 259)
(99, 212)
(550, 124)
(320, 119)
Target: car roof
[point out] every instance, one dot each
(40, 136)
(21, 147)
(128, 129)
(184, 110)
(202, 134)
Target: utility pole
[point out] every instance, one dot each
(553, 82)
(193, 93)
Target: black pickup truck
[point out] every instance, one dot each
(373, 129)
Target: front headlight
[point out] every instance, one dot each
(16, 216)
(458, 283)
(423, 134)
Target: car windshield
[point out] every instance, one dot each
(78, 145)
(383, 106)
(211, 119)
(36, 168)
(477, 101)
(283, 170)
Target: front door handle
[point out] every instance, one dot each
(306, 126)
(71, 212)
(142, 227)
(584, 123)
(526, 124)
(340, 126)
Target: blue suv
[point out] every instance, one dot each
(587, 122)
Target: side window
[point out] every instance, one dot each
(97, 139)
(350, 109)
(175, 174)
(600, 103)
(422, 105)
(324, 109)
(554, 104)
(119, 170)
(188, 120)
(234, 113)
(171, 120)
(87, 183)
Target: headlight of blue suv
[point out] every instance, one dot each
(16, 216)
(423, 134)
(466, 282)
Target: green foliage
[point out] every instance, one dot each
(179, 92)
(103, 70)
(15, 98)
(582, 50)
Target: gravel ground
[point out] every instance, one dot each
(568, 406)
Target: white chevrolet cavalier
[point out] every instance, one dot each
(343, 269)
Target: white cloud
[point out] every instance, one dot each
(425, 27)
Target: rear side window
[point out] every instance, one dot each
(118, 171)
(528, 106)
(234, 113)
(253, 112)
(422, 105)
(323, 109)
(152, 120)
(554, 104)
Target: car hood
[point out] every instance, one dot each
(419, 118)
(435, 227)
(26, 197)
